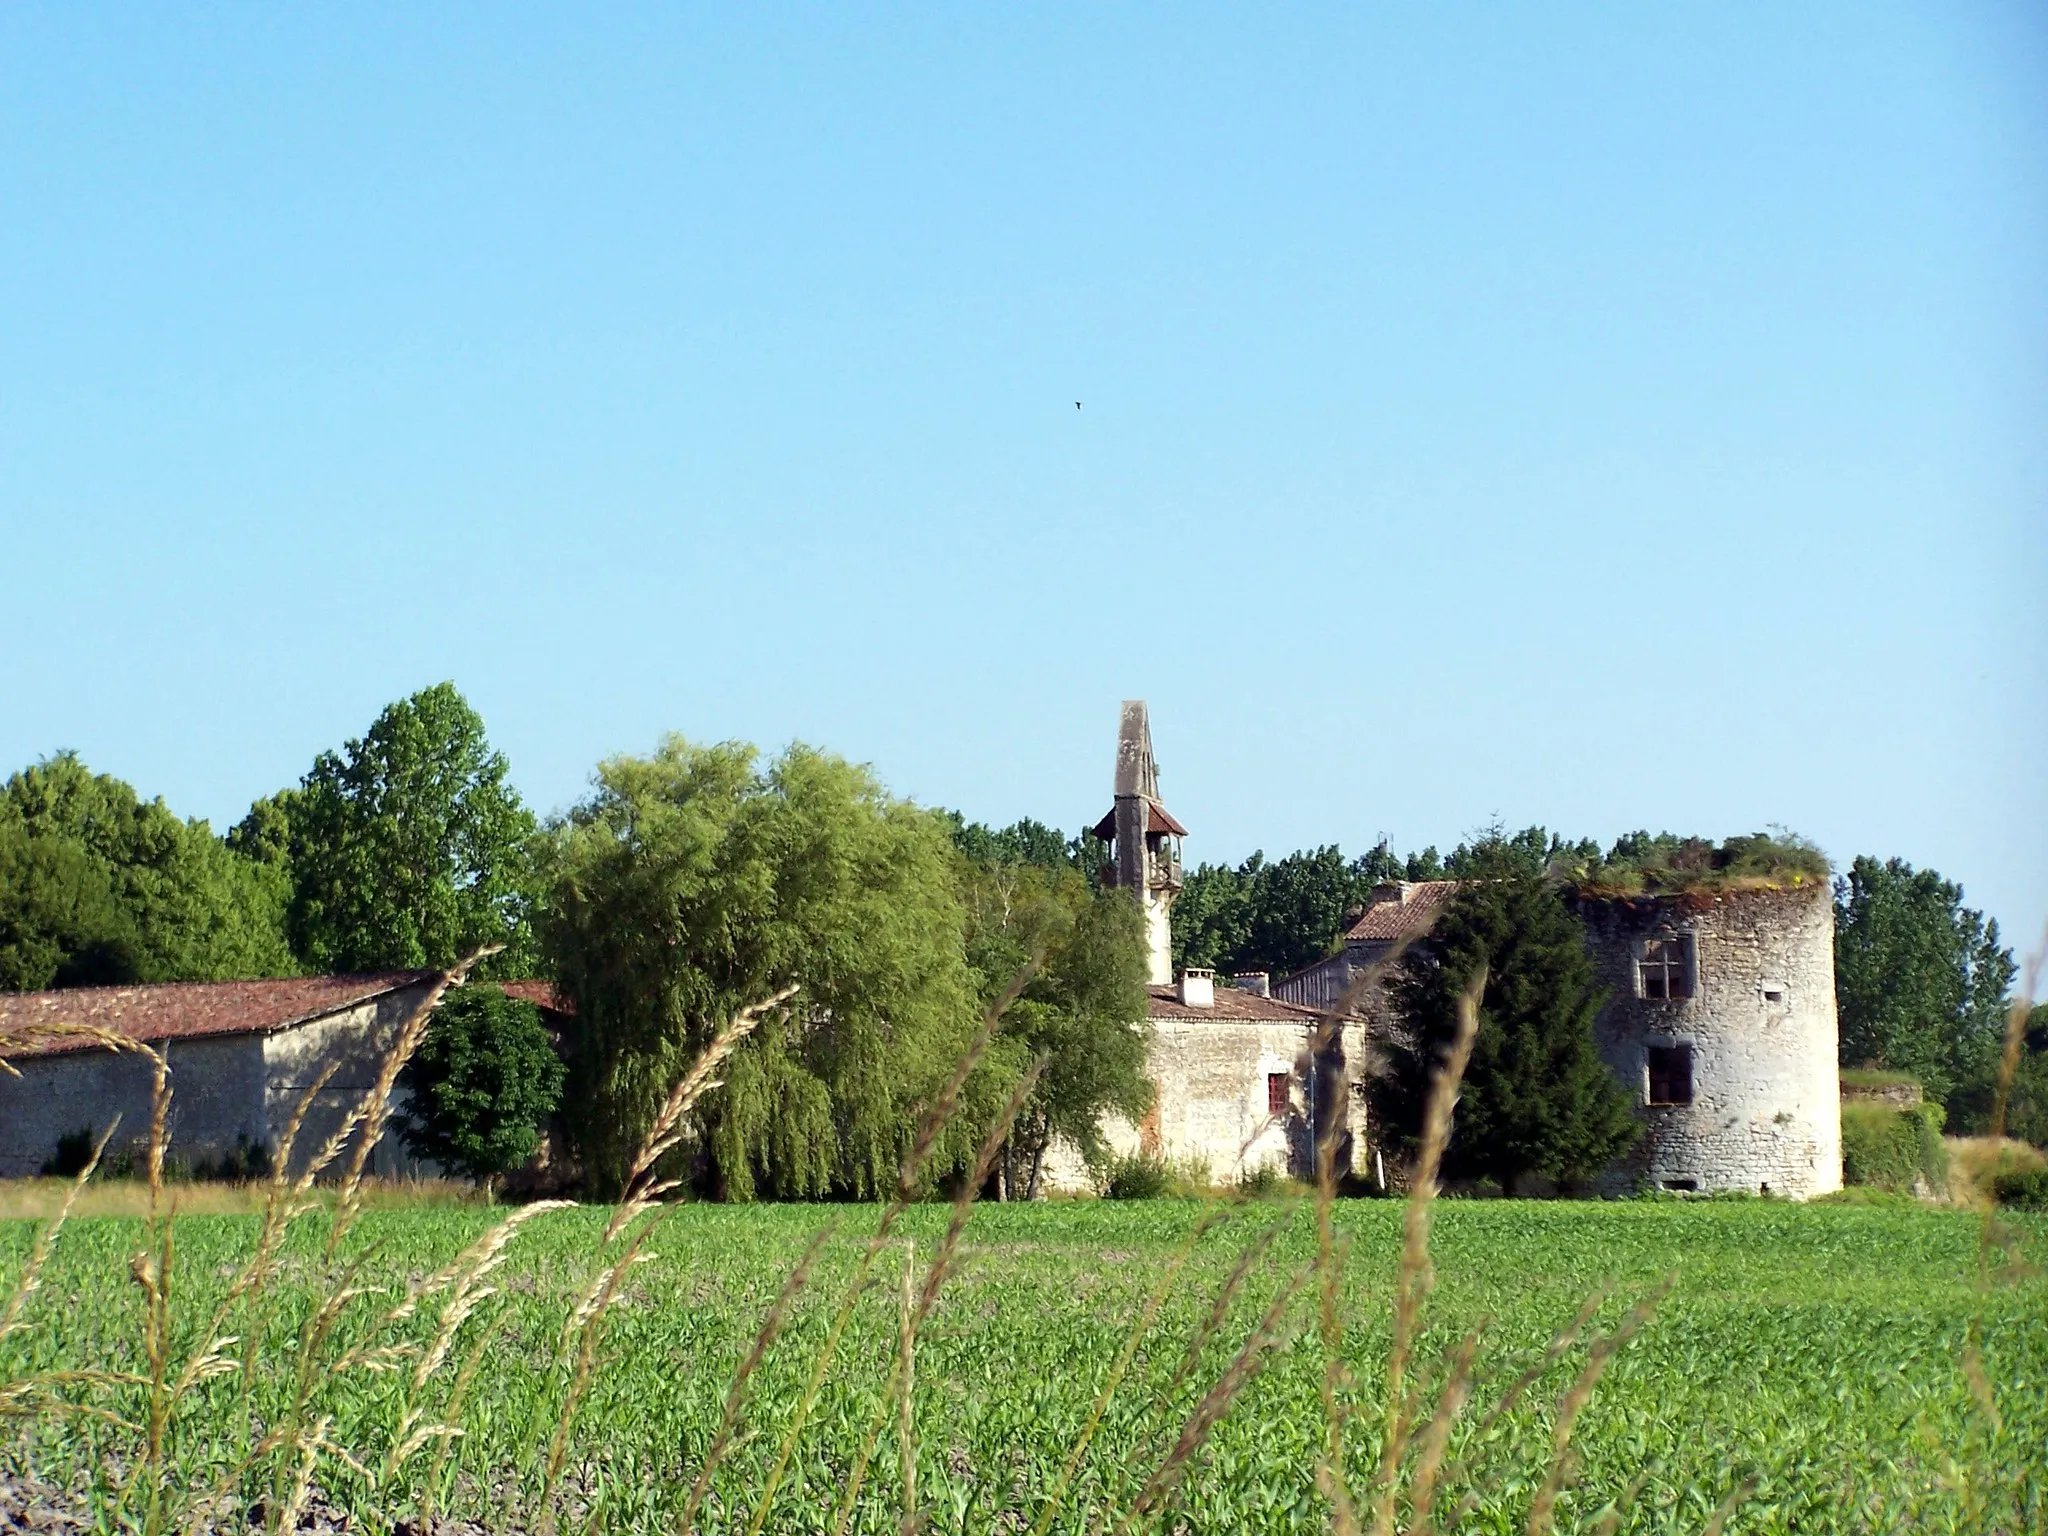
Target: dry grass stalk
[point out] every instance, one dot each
(668, 1130)
(947, 1103)
(1219, 1308)
(464, 1281)
(374, 1112)
(1435, 1438)
(1211, 1409)
(588, 1332)
(1330, 1265)
(736, 1390)
(1414, 1278)
(1153, 1301)
(1723, 1511)
(970, 1191)
(906, 1381)
(963, 1208)
(935, 1118)
(458, 1399)
(1542, 1508)
(46, 1239)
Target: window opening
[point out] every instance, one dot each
(1774, 994)
(1664, 969)
(1276, 1093)
(1670, 1074)
(1682, 1186)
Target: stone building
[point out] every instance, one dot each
(1720, 1020)
(242, 1055)
(1242, 1080)
(1399, 913)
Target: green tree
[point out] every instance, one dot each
(104, 886)
(1537, 1099)
(1083, 1012)
(1277, 916)
(408, 848)
(1921, 980)
(481, 1086)
(1022, 842)
(60, 925)
(694, 883)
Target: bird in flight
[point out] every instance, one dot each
(1077, 405)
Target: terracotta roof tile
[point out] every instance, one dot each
(1157, 819)
(1406, 910)
(184, 1010)
(1232, 1007)
(541, 994)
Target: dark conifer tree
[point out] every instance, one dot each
(1537, 1098)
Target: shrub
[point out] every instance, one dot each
(1863, 1194)
(1895, 1149)
(482, 1084)
(2026, 1191)
(74, 1151)
(1262, 1182)
(248, 1163)
(1141, 1176)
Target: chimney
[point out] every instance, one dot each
(1258, 983)
(1198, 989)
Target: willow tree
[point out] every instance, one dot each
(1082, 1013)
(697, 881)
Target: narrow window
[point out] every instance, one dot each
(1682, 1186)
(1670, 1074)
(1276, 1093)
(1664, 970)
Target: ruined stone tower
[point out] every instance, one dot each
(1144, 840)
(1720, 1022)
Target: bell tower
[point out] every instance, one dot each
(1144, 839)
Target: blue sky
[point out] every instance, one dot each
(1609, 417)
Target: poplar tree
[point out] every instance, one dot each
(1537, 1098)
(407, 848)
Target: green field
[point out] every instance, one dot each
(1821, 1351)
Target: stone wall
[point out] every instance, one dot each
(216, 1096)
(1766, 1107)
(355, 1040)
(223, 1088)
(1211, 1109)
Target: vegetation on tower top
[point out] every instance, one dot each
(1640, 864)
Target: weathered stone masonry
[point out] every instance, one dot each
(1753, 1034)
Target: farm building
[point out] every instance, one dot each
(242, 1056)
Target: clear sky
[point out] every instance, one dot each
(1612, 417)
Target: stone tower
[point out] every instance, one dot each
(1720, 1023)
(1144, 840)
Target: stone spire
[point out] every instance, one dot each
(1144, 838)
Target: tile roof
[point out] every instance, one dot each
(1404, 910)
(1157, 819)
(185, 1010)
(541, 994)
(1232, 1007)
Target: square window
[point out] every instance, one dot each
(1276, 1093)
(1670, 1074)
(1665, 969)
